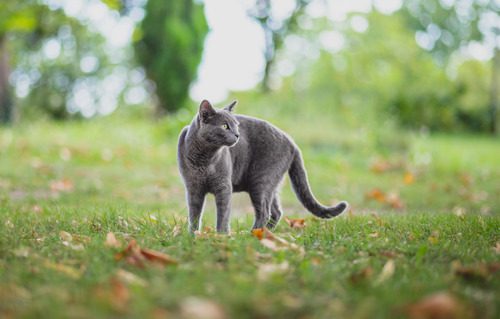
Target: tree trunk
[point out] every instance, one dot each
(6, 107)
(494, 90)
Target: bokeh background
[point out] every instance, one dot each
(394, 103)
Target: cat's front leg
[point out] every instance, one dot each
(223, 203)
(196, 201)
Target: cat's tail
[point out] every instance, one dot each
(298, 176)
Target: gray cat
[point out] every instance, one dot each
(222, 153)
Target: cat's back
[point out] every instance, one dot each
(261, 136)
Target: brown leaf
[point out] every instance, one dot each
(63, 185)
(66, 270)
(137, 256)
(158, 257)
(408, 178)
(394, 201)
(296, 222)
(497, 248)
(130, 278)
(440, 305)
(258, 232)
(478, 271)
(120, 294)
(362, 275)
(111, 241)
(389, 254)
(376, 194)
(198, 308)
(273, 242)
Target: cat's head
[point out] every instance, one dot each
(218, 127)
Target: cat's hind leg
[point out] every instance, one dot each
(261, 202)
(276, 212)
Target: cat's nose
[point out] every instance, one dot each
(237, 135)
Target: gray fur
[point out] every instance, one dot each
(249, 155)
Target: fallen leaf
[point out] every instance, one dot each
(381, 166)
(478, 271)
(389, 254)
(120, 294)
(137, 256)
(273, 242)
(130, 278)
(21, 252)
(362, 275)
(376, 194)
(296, 222)
(200, 308)
(440, 305)
(63, 185)
(387, 272)
(408, 178)
(65, 236)
(394, 200)
(265, 271)
(374, 235)
(158, 257)
(258, 232)
(111, 241)
(64, 269)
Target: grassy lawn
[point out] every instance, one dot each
(424, 220)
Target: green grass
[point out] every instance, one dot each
(120, 176)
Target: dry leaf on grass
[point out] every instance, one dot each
(387, 272)
(273, 242)
(137, 256)
(440, 305)
(199, 308)
(392, 199)
(478, 271)
(130, 278)
(296, 222)
(63, 185)
(408, 178)
(111, 241)
(66, 270)
(376, 194)
(120, 294)
(70, 241)
(362, 275)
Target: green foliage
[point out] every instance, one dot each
(50, 80)
(383, 75)
(170, 45)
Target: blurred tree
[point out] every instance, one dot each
(275, 30)
(44, 45)
(15, 18)
(383, 70)
(443, 27)
(169, 45)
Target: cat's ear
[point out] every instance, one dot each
(206, 110)
(231, 106)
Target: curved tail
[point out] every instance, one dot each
(298, 176)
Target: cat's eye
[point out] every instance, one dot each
(225, 126)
